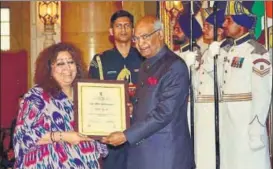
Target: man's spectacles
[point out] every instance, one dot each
(145, 36)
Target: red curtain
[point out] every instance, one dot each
(14, 78)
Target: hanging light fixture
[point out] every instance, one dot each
(48, 14)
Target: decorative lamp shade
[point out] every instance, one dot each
(48, 12)
(173, 5)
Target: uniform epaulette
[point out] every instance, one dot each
(258, 48)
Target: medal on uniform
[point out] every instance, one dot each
(237, 62)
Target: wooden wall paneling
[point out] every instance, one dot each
(136, 8)
(150, 7)
(86, 24)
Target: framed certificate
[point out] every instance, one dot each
(100, 107)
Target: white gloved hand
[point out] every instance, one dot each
(256, 135)
(190, 59)
(214, 48)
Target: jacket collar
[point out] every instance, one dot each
(148, 63)
(242, 39)
(226, 42)
(186, 47)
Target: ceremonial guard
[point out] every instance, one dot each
(120, 63)
(246, 93)
(204, 122)
(182, 35)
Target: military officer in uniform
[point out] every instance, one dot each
(159, 137)
(120, 63)
(204, 122)
(246, 93)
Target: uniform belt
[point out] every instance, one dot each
(205, 99)
(237, 97)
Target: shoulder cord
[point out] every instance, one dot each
(100, 67)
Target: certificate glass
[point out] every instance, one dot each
(100, 107)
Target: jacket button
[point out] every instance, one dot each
(142, 84)
(136, 100)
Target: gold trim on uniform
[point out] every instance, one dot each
(261, 72)
(205, 99)
(237, 97)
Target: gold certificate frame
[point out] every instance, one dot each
(100, 107)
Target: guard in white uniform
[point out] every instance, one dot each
(204, 135)
(182, 35)
(246, 93)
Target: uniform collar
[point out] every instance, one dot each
(148, 63)
(225, 42)
(242, 39)
(186, 47)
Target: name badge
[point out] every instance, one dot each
(111, 72)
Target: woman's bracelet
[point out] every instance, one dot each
(52, 137)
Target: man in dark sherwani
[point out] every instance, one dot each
(159, 136)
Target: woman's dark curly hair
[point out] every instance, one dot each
(47, 57)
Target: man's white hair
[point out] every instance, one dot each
(158, 25)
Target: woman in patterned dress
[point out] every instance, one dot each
(44, 136)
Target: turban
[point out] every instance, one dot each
(185, 24)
